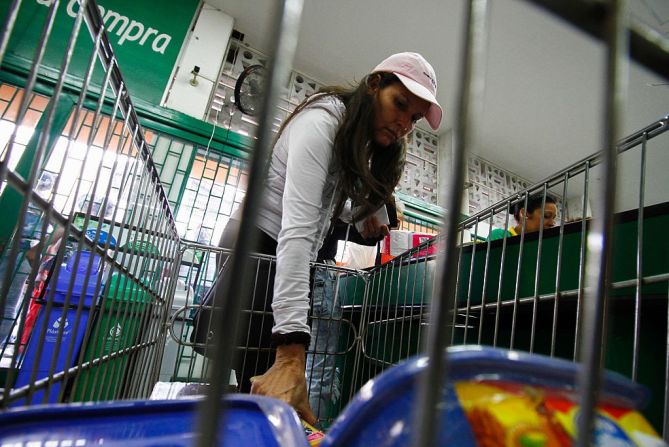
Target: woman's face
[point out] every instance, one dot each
(396, 111)
(535, 219)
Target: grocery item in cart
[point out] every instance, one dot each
(314, 435)
(494, 397)
(400, 241)
(504, 413)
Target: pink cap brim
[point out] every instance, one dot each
(433, 116)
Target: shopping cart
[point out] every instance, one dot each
(114, 290)
(88, 246)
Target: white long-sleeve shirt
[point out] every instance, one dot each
(297, 206)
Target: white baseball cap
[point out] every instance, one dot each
(418, 77)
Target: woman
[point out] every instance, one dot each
(532, 216)
(339, 144)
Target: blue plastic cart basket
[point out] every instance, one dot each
(382, 411)
(249, 421)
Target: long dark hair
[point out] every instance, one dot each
(367, 172)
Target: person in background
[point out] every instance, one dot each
(340, 144)
(531, 216)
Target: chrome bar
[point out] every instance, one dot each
(501, 274)
(426, 414)
(41, 148)
(469, 283)
(7, 29)
(558, 268)
(600, 238)
(30, 85)
(283, 38)
(581, 263)
(484, 286)
(537, 271)
(519, 265)
(653, 130)
(435, 289)
(636, 347)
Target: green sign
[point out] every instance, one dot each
(146, 35)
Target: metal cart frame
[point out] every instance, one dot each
(93, 287)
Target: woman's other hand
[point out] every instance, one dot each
(373, 228)
(286, 381)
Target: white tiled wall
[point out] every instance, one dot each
(420, 173)
(489, 185)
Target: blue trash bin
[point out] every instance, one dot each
(58, 321)
(249, 421)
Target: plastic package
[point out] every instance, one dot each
(505, 413)
(314, 435)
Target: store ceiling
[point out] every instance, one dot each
(541, 105)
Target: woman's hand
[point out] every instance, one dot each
(285, 380)
(373, 228)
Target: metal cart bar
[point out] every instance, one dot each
(381, 315)
(145, 216)
(646, 45)
(600, 238)
(472, 54)
(108, 60)
(284, 42)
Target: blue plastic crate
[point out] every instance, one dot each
(249, 421)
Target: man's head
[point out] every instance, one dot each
(531, 213)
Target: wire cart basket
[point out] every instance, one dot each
(98, 291)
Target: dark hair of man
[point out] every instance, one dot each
(533, 202)
(367, 172)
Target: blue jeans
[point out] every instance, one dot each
(323, 376)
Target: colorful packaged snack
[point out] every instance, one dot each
(314, 435)
(503, 413)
